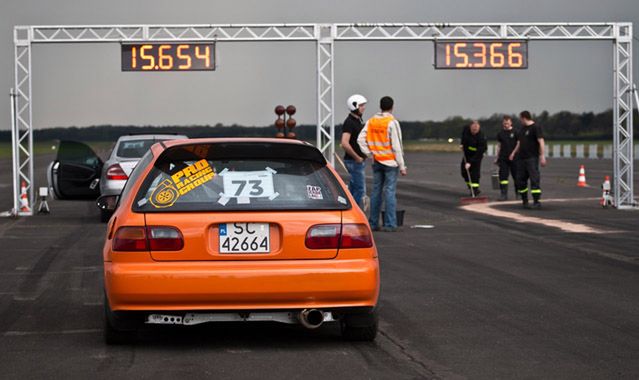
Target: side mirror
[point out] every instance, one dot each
(107, 202)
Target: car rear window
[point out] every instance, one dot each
(240, 176)
(134, 148)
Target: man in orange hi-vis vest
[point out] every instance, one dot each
(381, 137)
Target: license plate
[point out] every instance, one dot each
(244, 238)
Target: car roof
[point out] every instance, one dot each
(152, 137)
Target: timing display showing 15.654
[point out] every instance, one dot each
(154, 57)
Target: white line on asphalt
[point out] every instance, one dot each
(25, 298)
(53, 272)
(487, 209)
(63, 332)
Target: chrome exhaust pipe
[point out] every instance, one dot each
(311, 318)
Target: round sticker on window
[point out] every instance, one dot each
(164, 195)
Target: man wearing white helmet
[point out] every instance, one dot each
(354, 159)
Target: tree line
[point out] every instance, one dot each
(563, 125)
(560, 126)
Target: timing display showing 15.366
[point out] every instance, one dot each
(168, 57)
(481, 54)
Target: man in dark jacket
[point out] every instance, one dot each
(506, 142)
(531, 149)
(473, 144)
(354, 159)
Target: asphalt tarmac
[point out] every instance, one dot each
(466, 293)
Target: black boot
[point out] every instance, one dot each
(504, 193)
(536, 202)
(524, 200)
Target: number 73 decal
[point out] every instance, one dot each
(242, 186)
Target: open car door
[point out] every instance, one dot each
(72, 174)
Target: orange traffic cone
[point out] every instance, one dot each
(581, 182)
(24, 201)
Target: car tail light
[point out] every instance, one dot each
(116, 172)
(356, 236)
(323, 236)
(130, 239)
(165, 238)
(153, 238)
(333, 236)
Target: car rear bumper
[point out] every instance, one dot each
(111, 187)
(242, 285)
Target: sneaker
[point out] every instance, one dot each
(389, 229)
(375, 228)
(536, 205)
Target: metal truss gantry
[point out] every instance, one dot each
(325, 36)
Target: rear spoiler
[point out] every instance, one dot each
(242, 150)
(147, 133)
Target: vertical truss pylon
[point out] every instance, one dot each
(325, 91)
(623, 115)
(325, 36)
(22, 132)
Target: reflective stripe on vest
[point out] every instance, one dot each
(378, 139)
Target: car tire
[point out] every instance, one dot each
(360, 327)
(105, 215)
(112, 334)
(116, 337)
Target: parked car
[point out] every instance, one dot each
(126, 153)
(79, 173)
(215, 230)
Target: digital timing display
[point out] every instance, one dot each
(481, 54)
(168, 57)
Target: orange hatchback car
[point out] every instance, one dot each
(215, 230)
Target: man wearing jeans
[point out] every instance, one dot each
(354, 159)
(381, 137)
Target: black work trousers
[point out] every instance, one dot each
(528, 169)
(475, 172)
(507, 168)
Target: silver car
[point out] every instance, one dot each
(78, 172)
(126, 153)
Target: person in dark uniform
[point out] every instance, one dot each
(506, 142)
(354, 159)
(473, 144)
(530, 147)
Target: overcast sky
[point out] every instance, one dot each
(81, 84)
